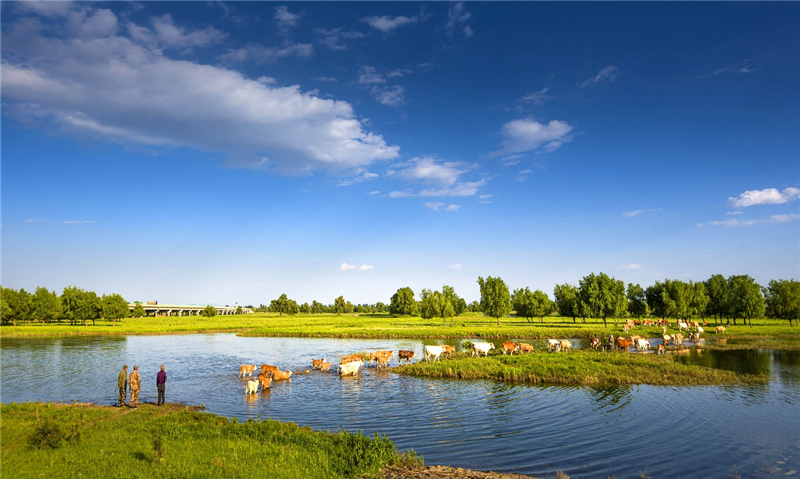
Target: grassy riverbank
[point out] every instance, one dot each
(101, 441)
(589, 368)
(470, 325)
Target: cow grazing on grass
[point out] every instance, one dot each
(433, 352)
(595, 343)
(720, 329)
(695, 324)
(266, 368)
(642, 345)
(317, 363)
(553, 345)
(246, 370)
(623, 344)
(510, 347)
(350, 369)
(700, 331)
(264, 380)
(665, 339)
(635, 338)
(281, 375)
(478, 348)
(525, 348)
(662, 349)
(404, 354)
(648, 322)
(565, 345)
(252, 387)
(682, 325)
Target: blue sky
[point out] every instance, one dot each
(217, 153)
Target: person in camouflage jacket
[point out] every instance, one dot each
(122, 383)
(135, 383)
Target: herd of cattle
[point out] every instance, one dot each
(351, 364)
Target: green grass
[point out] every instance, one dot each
(118, 442)
(470, 325)
(590, 368)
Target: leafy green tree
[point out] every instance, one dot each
(284, 305)
(317, 308)
(381, 307)
(70, 299)
(700, 299)
(427, 305)
(655, 299)
(403, 303)
(567, 301)
(80, 305)
(209, 311)
(747, 302)
(339, 305)
(590, 300)
(782, 299)
(540, 305)
(677, 296)
(719, 297)
(602, 296)
(495, 298)
(114, 307)
(444, 304)
(637, 301)
(138, 310)
(520, 301)
(458, 304)
(46, 306)
(474, 307)
(17, 305)
(305, 308)
(238, 310)
(617, 306)
(5, 308)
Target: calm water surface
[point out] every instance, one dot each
(588, 432)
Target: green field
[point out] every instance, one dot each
(101, 441)
(589, 368)
(764, 333)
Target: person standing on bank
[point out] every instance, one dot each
(161, 384)
(122, 383)
(136, 385)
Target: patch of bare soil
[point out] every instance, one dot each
(445, 472)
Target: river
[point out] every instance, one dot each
(664, 432)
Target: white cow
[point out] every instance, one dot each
(350, 369)
(642, 345)
(433, 352)
(682, 325)
(252, 386)
(700, 330)
(553, 345)
(481, 348)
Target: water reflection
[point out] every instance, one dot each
(479, 424)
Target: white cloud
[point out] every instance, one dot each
(373, 193)
(433, 205)
(733, 213)
(401, 194)
(260, 54)
(629, 266)
(455, 267)
(36, 220)
(453, 207)
(333, 38)
(389, 96)
(457, 18)
(77, 222)
(523, 174)
(365, 267)
(606, 75)
(783, 218)
(771, 220)
(386, 23)
(366, 176)
(326, 79)
(170, 35)
(284, 18)
(484, 199)
(734, 68)
(368, 75)
(467, 188)
(525, 135)
(119, 90)
(401, 72)
(346, 267)
(431, 171)
(769, 196)
(537, 97)
(631, 214)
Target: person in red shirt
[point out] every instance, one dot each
(161, 384)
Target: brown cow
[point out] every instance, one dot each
(264, 380)
(351, 358)
(510, 346)
(246, 370)
(281, 375)
(623, 344)
(662, 349)
(325, 366)
(383, 361)
(316, 363)
(525, 348)
(595, 343)
(720, 329)
(266, 368)
(448, 350)
(565, 345)
(404, 354)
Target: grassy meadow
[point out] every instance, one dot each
(470, 325)
(587, 367)
(83, 440)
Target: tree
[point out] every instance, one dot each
(782, 298)
(700, 299)
(540, 305)
(520, 301)
(602, 296)
(80, 305)
(339, 305)
(718, 297)
(677, 296)
(305, 308)
(637, 300)
(590, 300)
(17, 305)
(444, 304)
(46, 306)
(238, 310)
(138, 310)
(474, 307)
(427, 305)
(403, 303)
(655, 299)
(747, 301)
(567, 301)
(209, 311)
(284, 305)
(617, 305)
(381, 307)
(317, 308)
(495, 298)
(114, 307)
(458, 304)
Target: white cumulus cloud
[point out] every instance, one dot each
(769, 196)
(346, 267)
(387, 23)
(455, 267)
(630, 266)
(526, 134)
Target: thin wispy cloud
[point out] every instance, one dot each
(733, 68)
(36, 220)
(365, 176)
(484, 199)
(438, 205)
(769, 196)
(457, 17)
(387, 24)
(432, 171)
(537, 97)
(259, 54)
(630, 266)
(369, 75)
(389, 96)
(771, 220)
(352, 267)
(284, 18)
(526, 135)
(335, 38)
(606, 75)
(523, 174)
(633, 213)
(77, 222)
(455, 267)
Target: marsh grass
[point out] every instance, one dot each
(119, 442)
(589, 368)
